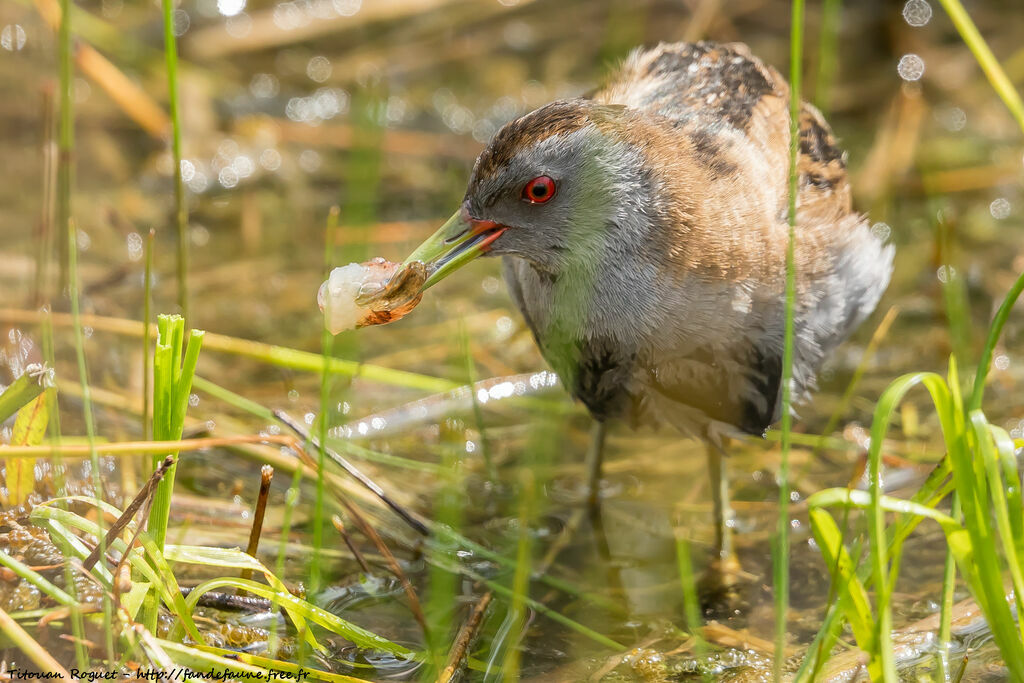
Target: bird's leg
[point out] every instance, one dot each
(725, 564)
(595, 454)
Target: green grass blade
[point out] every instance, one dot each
(327, 351)
(828, 49)
(33, 577)
(989, 64)
(994, 332)
(150, 562)
(780, 563)
(879, 550)
(183, 383)
(292, 604)
(147, 314)
(20, 392)
(691, 603)
(180, 210)
(983, 434)
(36, 653)
(851, 595)
(233, 399)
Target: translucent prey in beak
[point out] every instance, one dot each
(460, 240)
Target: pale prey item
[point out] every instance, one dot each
(371, 293)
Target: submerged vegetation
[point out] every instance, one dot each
(403, 518)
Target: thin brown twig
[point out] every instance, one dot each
(466, 634)
(356, 474)
(266, 476)
(129, 512)
(396, 569)
(340, 526)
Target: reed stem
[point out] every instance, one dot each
(180, 210)
(781, 555)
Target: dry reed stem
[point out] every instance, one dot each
(266, 477)
(340, 527)
(396, 569)
(133, 100)
(466, 634)
(133, 447)
(32, 649)
(141, 498)
(214, 41)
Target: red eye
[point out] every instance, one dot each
(539, 190)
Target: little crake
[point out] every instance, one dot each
(644, 234)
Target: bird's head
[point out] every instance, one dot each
(547, 189)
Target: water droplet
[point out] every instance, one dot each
(329, 102)
(459, 119)
(953, 119)
(288, 16)
(299, 109)
(484, 130)
(490, 284)
(264, 86)
(881, 231)
(504, 325)
(270, 159)
(199, 235)
(518, 35)
(193, 400)
(910, 67)
(945, 273)
(1002, 361)
(83, 240)
(917, 12)
(135, 249)
(309, 161)
(308, 418)
(13, 37)
(199, 182)
(293, 395)
(319, 68)
(321, 9)
(1000, 209)
(188, 170)
(227, 177)
(181, 22)
(230, 8)
(243, 166)
(82, 90)
(112, 8)
(347, 8)
(239, 25)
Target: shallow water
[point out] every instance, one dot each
(383, 114)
